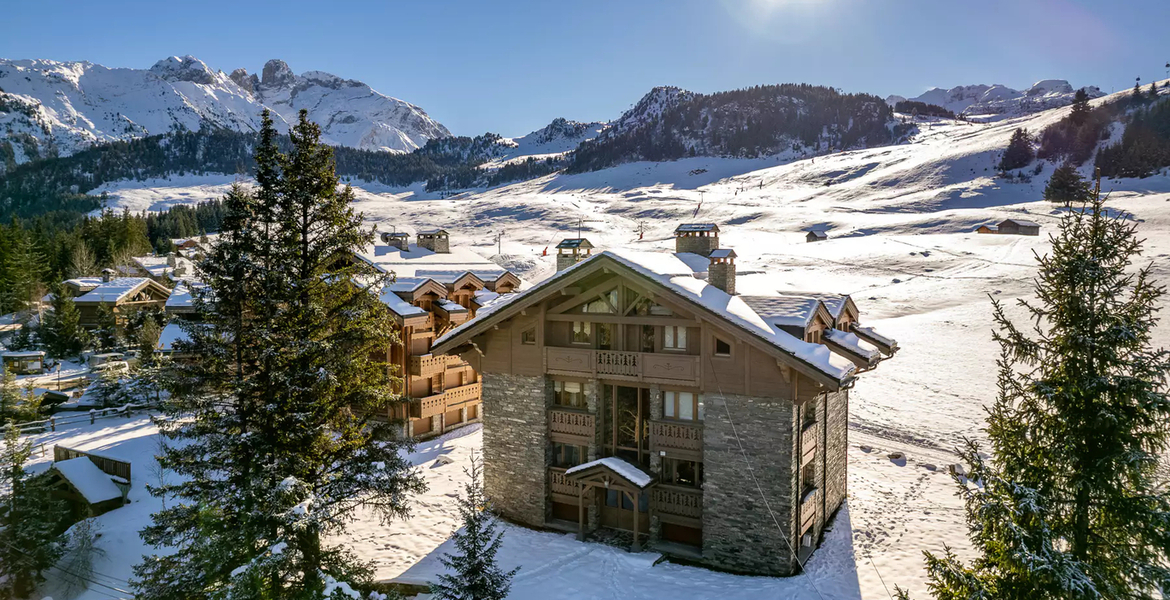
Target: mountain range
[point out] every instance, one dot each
(999, 99)
(52, 108)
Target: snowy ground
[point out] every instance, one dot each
(900, 222)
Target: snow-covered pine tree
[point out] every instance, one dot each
(30, 519)
(474, 572)
(281, 440)
(1070, 505)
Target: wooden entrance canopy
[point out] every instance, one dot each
(611, 473)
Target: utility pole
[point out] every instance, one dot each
(641, 229)
(499, 242)
(580, 224)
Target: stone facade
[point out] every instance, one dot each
(515, 445)
(435, 242)
(722, 276)
(698, 244)
(738, 531)
(566, 260)
(836, 450)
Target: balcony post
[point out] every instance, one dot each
(655, 415)
(581, 512)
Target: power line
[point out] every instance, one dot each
(83, 578)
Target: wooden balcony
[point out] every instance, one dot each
(678, 505)
(808, 510)
(571, 427)
(651, 367)
(464, 393)
(428, 365)
(561, 488)
(808, 444)
(431, 406)
(679, 439)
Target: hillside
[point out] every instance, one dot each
(50, 108)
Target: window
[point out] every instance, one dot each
(528, 337)
(815, 336)
(686, 473)
(568, 455)
(810, 412)
(675, 338)
(808, 478)
(582, 332)
(606, 304)
(568, 393)
(722, 348)
(685, 406)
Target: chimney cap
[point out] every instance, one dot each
(396, 234)
(575, 243)
(694, 227)
(722, 253)
(432, 232)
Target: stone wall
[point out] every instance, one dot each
(739, 533)
(836, 449)
(515, 445)
(564, 261)
(699, 244)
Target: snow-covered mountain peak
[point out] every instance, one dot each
(62, 107)
(184, 68)
(997, 99)
(277, 74)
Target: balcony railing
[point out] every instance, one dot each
(437, 404)
(464, 393)
(428, 365)
(677, 439)
(808, 510)
(678, 505)
(562, 488)
(631, 366)
(432, 405)
(572, 427)
(808, 444)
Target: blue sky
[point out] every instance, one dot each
(510, 67)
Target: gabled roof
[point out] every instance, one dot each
(115, 290)
(415, 261)
(432, 232)
(693, 227)
(673, 275)
(834, 303)
(1020, 222)
(89, 481)
(787, 311)
(575, 243)
(722, 253)
(396, 234)
(627, 471)
(818, 233)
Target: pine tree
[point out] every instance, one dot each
(62, 330)
(1137, 91)
(1153, 93)
(1019, 151)
(474, 572)
(30, 520)
(1066, 186)
(1070, 504)
(1080, 108)
(106, 336)
(288, 335)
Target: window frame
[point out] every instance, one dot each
(587, 329)
(715, 348)
(524, 337)
(558, 394)
(674, 329)
(673, 400)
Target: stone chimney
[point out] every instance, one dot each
(572, 251)
(698, 238)
(171, 260)
(721, 271)
(396, 239)
(435, 240)
(107, 275)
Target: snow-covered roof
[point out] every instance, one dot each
(23, 354)
(693, 227)
(418, 262)
(1020, 222)
(875, 338)
(628, 471)
(158, 266)
(115, 290)
(432, 232)
(834, 303)
(853, 344)
(698, 263)
(786, 311)
(399, 306)
(83, 284)
(675, 275)
(818, 233)
(722, 253)
(450, 306)
(94, 485)
(571, 243)
(181, 297)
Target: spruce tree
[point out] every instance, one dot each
(1066, 186)
(30, 521)
(1019, 151)
(62, 330)
(1070, 504)
(280, 440)
(1080, 108)
(106, 336)
(474, 574)
(1137, 91)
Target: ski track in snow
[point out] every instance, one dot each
(900, 221)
